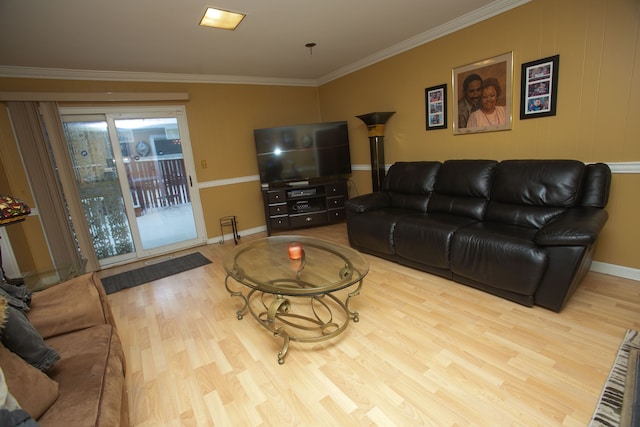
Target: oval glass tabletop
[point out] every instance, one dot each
(266, 265)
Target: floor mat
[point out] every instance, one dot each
(149, 273)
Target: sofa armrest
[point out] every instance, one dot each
(368, 202)
(73, 305)
(576, 226)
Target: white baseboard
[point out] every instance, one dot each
(616, 270)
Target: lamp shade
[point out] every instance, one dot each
(375, 121)
(378, 118)
(12, 210)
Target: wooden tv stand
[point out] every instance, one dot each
(301, 206)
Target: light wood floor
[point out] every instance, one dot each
(426, 352)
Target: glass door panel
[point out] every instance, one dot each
(100, 193)
(158, 184)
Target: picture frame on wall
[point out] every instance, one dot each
(539, 88)
(436, 107)
(482, 93)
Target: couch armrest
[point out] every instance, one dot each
(76, 304)
(576, 226)
(368, 202)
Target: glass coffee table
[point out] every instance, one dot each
(298, 288)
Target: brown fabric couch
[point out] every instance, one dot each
(86, 386)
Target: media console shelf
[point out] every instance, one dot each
(304, 205)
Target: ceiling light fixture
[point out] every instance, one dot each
(310, 46)
(224, 19)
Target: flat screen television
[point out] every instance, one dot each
(302, 153)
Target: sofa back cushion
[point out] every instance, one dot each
(410, 184)
(530, 193)
(463, 188)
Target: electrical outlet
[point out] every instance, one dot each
(203, 164)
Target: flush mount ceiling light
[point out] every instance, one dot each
(218, 18)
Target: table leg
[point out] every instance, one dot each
(279, 305)
(353, 314)
(285, 344)
(240, 313)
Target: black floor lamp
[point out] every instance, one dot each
(12, 211)
(375, 123)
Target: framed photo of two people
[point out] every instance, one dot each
(482, 95)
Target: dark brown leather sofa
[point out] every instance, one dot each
(524, 230)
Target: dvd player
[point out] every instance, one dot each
(302, 192)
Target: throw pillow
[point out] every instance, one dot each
(21, 337)
(12, 209)
(34, 390)
(11, 414)
(7, 401)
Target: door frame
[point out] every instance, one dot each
(132, 112)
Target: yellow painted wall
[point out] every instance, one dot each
(597, 109)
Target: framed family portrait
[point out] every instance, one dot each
(539, 88)
(436, 107)
(482, 95)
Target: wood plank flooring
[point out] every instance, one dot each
(426, 352)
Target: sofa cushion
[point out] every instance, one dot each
(34, 390)
(530, 193)
(538, 182)
(70, 306)
(410, 184)
(470, 178)
(427, 238)
(463, 188)
(91, 378)
(497, 255)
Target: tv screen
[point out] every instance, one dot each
(303, 152)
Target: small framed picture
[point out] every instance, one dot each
(539, 88)
(436, 107)
(482, 95)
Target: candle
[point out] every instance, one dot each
(295, 251)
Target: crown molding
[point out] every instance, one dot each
(457, 24)
(494, 8)
(69, 74)
(94, 96)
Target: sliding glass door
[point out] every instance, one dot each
(134, 174)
